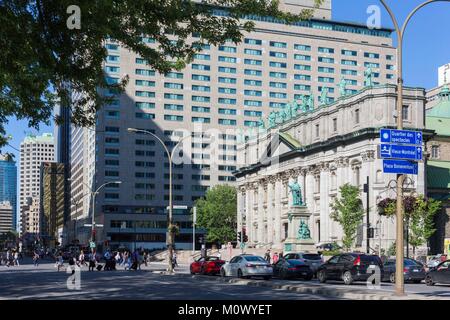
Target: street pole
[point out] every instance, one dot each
(399, 277)
(194, 219)
(367, 217)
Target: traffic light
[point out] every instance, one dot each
(240, 236)
(245, 237)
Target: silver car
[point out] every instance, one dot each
(246, 266)
(313, 260)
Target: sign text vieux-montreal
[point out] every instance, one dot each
(237, 309)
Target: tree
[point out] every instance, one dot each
(348, 212)
(52, 48)
(421, 221)
(217, 213)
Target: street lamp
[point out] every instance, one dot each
(170, 238)
(399, 279)
(76, 202)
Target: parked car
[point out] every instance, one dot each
(440, 274)
(208, 265)
(435, 261)
(292, 268)
(313, 260)
(412, 270)
(349, 267)
(246, 266)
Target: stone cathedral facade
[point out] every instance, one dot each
(323, 149)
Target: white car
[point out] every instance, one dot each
(246, 266)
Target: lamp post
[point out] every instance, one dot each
(399, 278)
(170, 237)
(76, 202)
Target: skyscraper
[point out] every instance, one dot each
(8, 185)
(224, 95)
(33, 151)
(6, 217)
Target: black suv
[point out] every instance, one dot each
(349, 267)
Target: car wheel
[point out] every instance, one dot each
(222, 273)
(347, 277)
(322, 276)
(429, 281)
(392, 278)
(239, 274)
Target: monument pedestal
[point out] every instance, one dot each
(296, 241)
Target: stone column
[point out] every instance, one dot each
(270, 209)
(241, 198)
(260, 212)
(249, 211)
(277, 210)
(325, 201)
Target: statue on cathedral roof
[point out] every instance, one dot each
(368, 77)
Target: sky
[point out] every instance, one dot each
(426, 46)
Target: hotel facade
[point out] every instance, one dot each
(216, 99)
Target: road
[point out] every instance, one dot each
(45, 282)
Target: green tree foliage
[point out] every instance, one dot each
(421, 221)
(217, 213)
(42, 60)
(348, 212)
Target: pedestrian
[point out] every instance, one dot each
(117, 257)
(280, 256)
(145, 258)
(60, 261)
(8, 258)
(16, 258)
(275, 258)
(174, 259)
(267, 256)
(92, 261)
(107, 257)
(82, 259)
(36, 259)
(72, 262)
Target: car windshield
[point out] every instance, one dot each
(310, 256)
(255, 259)
(212, 258)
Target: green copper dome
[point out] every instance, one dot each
(442, 109)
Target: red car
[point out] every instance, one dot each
(208, 265)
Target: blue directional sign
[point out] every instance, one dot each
(395, 151)
(401, 136)
(400, 167)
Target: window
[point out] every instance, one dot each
(389, 67)
(405, 113)
(227, 49)
(253, 41)
(326, 50)
(251, 113)
(144, 105)
(175, 107)
(227, 111)
(201, 109)
(201, 99)
(280, 75)
(200, 77)
(146, 94)
(252, 103)
(349, 72)
(278, 95)
(227, 90)
(326, 60)
(227, 59)
(335, 125)
(201, 120)
(389, 57)
(277, 105)
(280, 85)
(274, 64)
(254, 93)
(171, 85)
(326, 79)
(253, 62)
(173, 96)
(112, 69)
(349, 53)
(111, 46)
(249, 123)
(253, 52)
(145, 83)
(435, 152)
(304, 77)
(276, 54)
(371, 55)
(257, 83)
(349, 62)
(144, 72)
(227, 70)
(278, 44)
(302, 67)
(302, 57)
(174, 75)
(112, 58)
(202, 67)
(227, 101)
(390, 76)
(326, 69)
(317, 130)
(302, 47)
(140, 115)
(201, 88)
(357, 116)
(302, 87)
(173, 117)
(373, 65)
(227, 80)
(200, 56)
(229, 122)
(251, 72)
